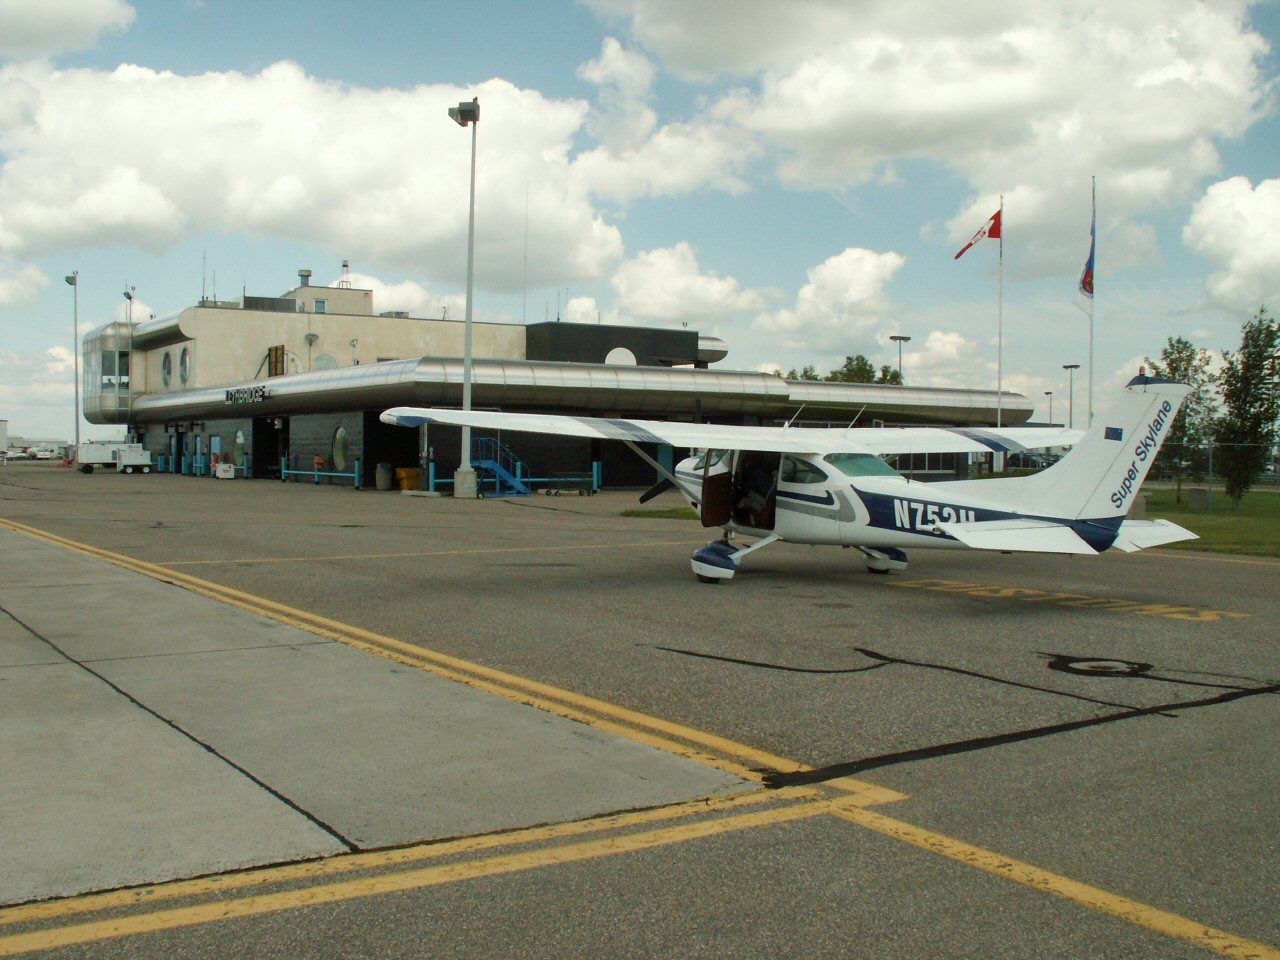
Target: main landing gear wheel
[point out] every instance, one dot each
(882, 560)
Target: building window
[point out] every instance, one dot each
(324, 362)
(322, 306)
(184, 365)
(237, 449)
(339, 451)
(166, 368)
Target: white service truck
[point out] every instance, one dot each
(123, 456)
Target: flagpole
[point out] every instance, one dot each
(1000, 327)
(1094, 256)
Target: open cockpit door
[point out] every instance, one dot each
(717, 488)
(755, 488)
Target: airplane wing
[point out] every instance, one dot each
(815, 440)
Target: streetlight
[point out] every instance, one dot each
(899, 339)
(1049, 394)
(1071, 369)
(74, 281)
(464, 480)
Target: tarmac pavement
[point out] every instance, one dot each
(986, 756)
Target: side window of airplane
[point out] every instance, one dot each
(799, 471)
(717, 456)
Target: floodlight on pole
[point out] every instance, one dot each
(900, 340)
(1049, 394)
(464, 480)
(1071, 369)
(74, 281)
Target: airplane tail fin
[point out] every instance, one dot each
(1102, 474)
(1100, 477)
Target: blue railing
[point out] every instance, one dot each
(316, 473)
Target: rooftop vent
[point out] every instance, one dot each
(305, 276)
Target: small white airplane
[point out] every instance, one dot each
(830, 486)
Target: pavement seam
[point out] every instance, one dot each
(724, 754)
(177, 727)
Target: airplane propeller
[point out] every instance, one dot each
(662, 486)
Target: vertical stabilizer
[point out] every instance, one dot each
(1102, 474)
(1100, 477)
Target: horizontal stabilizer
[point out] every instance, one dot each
(1141, 534)
(1027, 536)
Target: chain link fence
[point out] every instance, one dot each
(1198, 468)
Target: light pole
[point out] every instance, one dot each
(900, 340)
(1049, 394)
(1071, 369)
(464, 480)
(74, 281)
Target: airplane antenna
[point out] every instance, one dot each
(793, 417)
(856, 416)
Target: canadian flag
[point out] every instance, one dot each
(989, 229)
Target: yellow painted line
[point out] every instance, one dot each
(1178, 555)
(434, 553)
(398, 856)
(712, 750)
(996, 591)
(1131, 911)
(95, 931)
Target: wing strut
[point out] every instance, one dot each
(663, 471)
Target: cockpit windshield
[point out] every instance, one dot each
(860, 465)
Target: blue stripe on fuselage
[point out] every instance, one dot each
(912, 515)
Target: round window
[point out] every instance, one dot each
(184, 365)
(166, 368)
(339, 452)
(324, 362)
(237, 449)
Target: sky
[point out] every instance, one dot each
(793, 176)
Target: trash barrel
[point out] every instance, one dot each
(408, 478)
(383, 476)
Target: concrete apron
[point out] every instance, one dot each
(149, 733)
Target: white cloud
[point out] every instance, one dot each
(679, 158)
(37, 391)
(21, 287)
(409, 296)
(667, 286)
(1238, 227)
(622, 116)
(37, 28)
(1027, 99)
(379, 174)
(839, 310)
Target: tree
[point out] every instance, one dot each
(857, 369)
(808, 373)
(889, 375)
(1184, 446)
(1246, 428)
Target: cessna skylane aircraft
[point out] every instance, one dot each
(830, 486)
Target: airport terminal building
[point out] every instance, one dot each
(301, 379)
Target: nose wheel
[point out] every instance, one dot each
(719, 559)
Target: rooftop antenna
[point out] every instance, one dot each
(524, 289)
(345, 282)
(204, 271)
(793, 417)
(856, 416)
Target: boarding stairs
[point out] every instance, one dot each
(510, 474)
